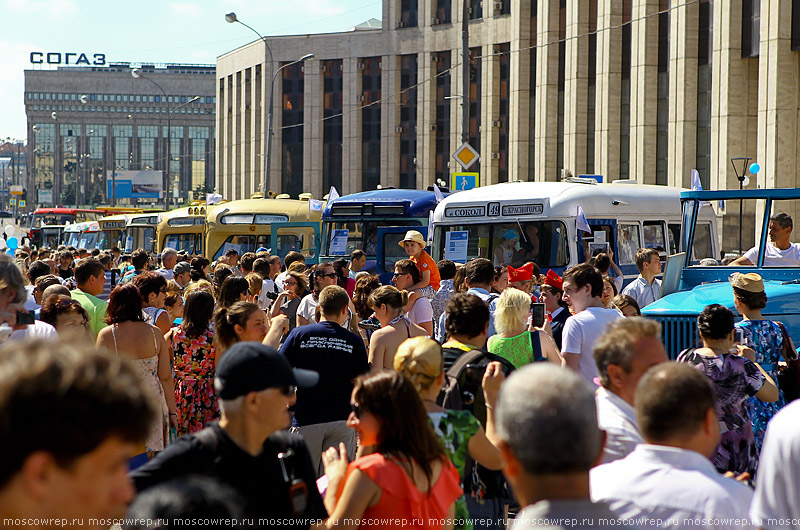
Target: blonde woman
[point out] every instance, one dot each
(420, 359)
(514, 340)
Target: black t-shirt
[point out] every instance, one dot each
(339, 356)
(65, 273)
(258, 479)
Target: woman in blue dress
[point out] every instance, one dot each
(765, 338)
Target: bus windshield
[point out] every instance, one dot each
(363, 235)
(542, 242)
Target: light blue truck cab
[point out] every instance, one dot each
(688, 287)
(375, 221)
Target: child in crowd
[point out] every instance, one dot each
(414, 245)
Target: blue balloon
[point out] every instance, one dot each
(12, 243)
(755, 168)
(10, 252)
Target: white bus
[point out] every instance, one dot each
(82, 235)
(517, 222)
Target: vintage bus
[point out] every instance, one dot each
(513, 223)
(140, 232)
(112, 228)
(375, 219)
(82, 235)
(58, 216)
(281, 225)
(182, 229)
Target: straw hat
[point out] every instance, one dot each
(413, 235)
(750, 282)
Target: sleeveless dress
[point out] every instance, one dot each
(400, 498)
(148, 371)
(151, 314)
(194, 380)
(766, 339)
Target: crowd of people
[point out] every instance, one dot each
(258, 389)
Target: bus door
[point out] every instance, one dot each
(298, 237)
(389, 250)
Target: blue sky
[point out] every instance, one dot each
(182, 31)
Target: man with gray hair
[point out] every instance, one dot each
(629, 347)
(547, 420)
(250, 450)
(169, 257)
(670, 479)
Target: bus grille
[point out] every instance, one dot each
(678, 333)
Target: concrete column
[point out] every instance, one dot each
(221, 130)
(682, 133)
(546, 139)
(455, 105)
(275, 177)
(351, 126)
(644, 90)
(390, 119)
(607, 86)
(241, 134)
(312, 130)
(519, 97)
(576, 87)
(734, 115)
(426, 117)
(490, 107)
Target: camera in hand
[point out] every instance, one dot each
(369, 324)
(25, 318)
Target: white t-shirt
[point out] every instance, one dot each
(775, 504)
(37, 330)
(308, 308)
(421, 311)
(775, 257)
(30, 303)
(279, 279)
(167, 273)
(267, 286)
(618, 419)
(581, 331)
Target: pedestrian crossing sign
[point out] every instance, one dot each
(12, 202)
(21, 203)
(464, 181)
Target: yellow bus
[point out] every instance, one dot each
(111, 230)
(182, 229)
(281, 225)
(140, 232)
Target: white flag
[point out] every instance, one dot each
(580, 221)
(430, 225)
(314, 205)
(438, 193)
(333, 194)
(696, 184)
(213, 198)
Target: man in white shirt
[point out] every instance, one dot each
(169, 257)
(290, 258)
(670, 477)
(777, 500)
(629, 348)
(645, 289)
(358, 258)
(780, 251)
(583, 287)
(547, 421)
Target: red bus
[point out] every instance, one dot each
(59, 216)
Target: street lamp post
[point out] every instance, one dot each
(136, 73)
(741, 175)
(231, 18)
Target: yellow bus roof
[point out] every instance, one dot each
(190, 211)
(118, 217)
(295, 210)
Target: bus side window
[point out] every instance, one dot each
(653, 233)
(674, 233)
(628, 242)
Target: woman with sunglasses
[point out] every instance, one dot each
(322, 276)
(194, 364)
(418, 309)
(153, 288)
(408, 476)
(68, 317)
(296, 287)
(387, 303)
(143, 345)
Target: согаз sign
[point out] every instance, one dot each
(98, 59)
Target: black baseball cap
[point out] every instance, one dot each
(251, 367)
(181, 267)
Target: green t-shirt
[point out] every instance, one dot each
(94, 307)
(517, 349)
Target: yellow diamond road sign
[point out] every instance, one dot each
(466, 155)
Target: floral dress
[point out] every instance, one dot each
(455, 428)
(735, 380)
(194, 380)
(766, 339)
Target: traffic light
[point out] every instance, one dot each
(24, 195)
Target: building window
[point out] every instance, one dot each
(796, 24)
(442, 148)
(704, 55)
(592, 87)
(292, 130)
(505, 6)
(332, 126)
(443, 12)
(625, 95)
(475, 71)
(475, 9)
(408, 121)
(562, 67)
(409, 11)
(370, 123)
(662, 111)
(751, 27)
(503, 115)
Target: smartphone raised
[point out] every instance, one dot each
(25, 318)
(537, 314)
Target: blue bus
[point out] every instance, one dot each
(375, 221)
